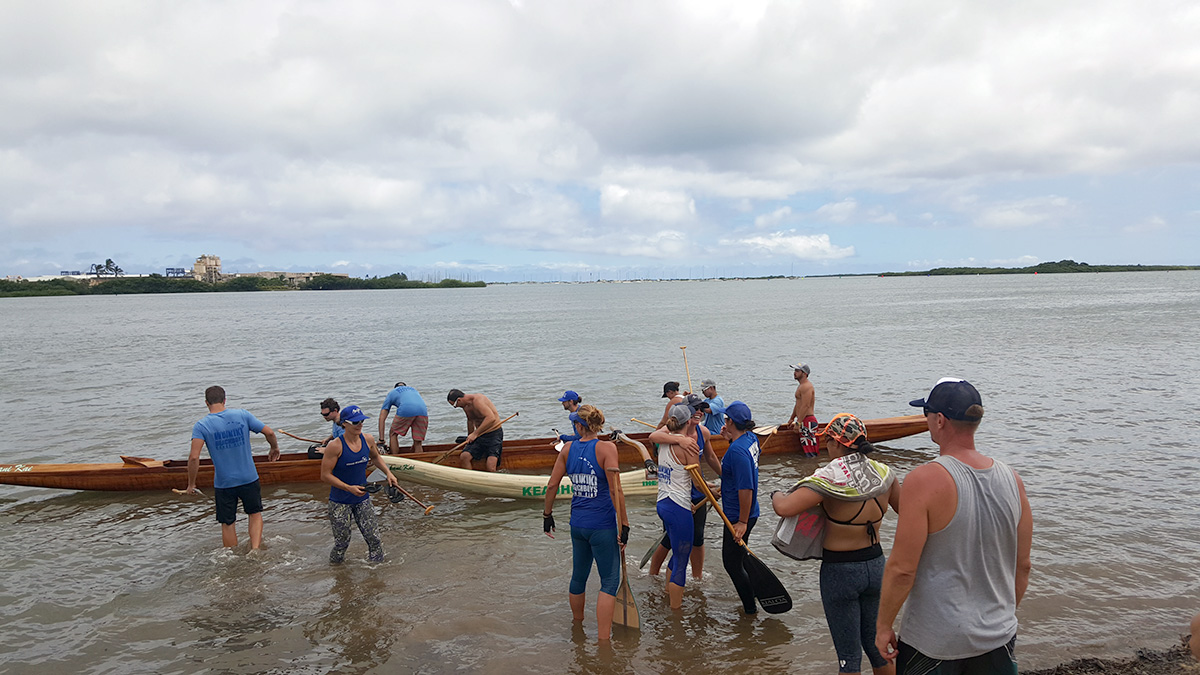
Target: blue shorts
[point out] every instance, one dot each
(227, 499)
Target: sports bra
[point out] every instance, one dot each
(870, 524)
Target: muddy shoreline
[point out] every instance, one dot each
(1173, 661)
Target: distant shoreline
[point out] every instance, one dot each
(159, 284)
(155, 284)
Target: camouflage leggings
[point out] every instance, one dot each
(364, 516)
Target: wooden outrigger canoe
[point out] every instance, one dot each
(519, 456)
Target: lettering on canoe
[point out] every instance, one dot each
(540, 490)
(15, 468)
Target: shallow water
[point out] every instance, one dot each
(1089, 381)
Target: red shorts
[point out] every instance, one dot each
(808, 437)
(418, 424)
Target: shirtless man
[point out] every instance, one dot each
(485, 436)
(803, 414)
(671, 393)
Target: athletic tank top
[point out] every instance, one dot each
(351, 469)
(963, 600)
(591, 502)
(674, 481)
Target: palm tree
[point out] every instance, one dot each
(96, 269)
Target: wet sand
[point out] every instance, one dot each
(1173, 661)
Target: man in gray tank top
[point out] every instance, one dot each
(961, 551)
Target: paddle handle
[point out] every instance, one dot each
(686, 369)
(697, 479)
(634, 419)
(416, 501)
(447, 453)
(299, 438)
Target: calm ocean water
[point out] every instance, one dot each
(1090, 384)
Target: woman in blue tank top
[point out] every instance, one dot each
(344, 466)
(597, 510)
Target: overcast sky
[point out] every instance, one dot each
(542, 140)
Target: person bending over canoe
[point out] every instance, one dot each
(696, 439)
(411, 413)
(485, 436)
(570, 402)
(329, 411)
(344, 467)
(597, 510)
(851, 494)
(739, 497)
(674, 506)
(226, 433)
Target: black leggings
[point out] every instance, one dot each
(733, 555)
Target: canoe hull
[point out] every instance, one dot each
(519, 456)
(510, 485)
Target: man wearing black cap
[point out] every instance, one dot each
(961, 553)
(671, 393)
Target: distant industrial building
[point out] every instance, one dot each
(208, 268)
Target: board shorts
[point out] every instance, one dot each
(1000, 661)
(807, 429)
(227, 499)
(418, 424)
(487, 445)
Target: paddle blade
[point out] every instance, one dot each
(625, 611)
(770, 593)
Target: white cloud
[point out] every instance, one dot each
(774, 218)
(1037, 211)
(634, 204)
(790, 244)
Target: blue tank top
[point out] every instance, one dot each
(351, 469)
(591, 503)
(697, 495)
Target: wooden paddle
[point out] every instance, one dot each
(686, 369)
(299, 438)
(650, 552)
(634, 419)
(770, 593)
(447, 453)
(625, 613)
(377, 474)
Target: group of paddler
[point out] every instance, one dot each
(961, 596)
(960, 558)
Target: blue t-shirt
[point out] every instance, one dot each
(739, 471)
(338, 430)
(407, 401)
(715, 419)
(227, 436)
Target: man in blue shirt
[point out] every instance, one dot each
(411, 413)
(714, 419)
(226, 433)
(570, 402)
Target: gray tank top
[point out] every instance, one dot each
(963, 600)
